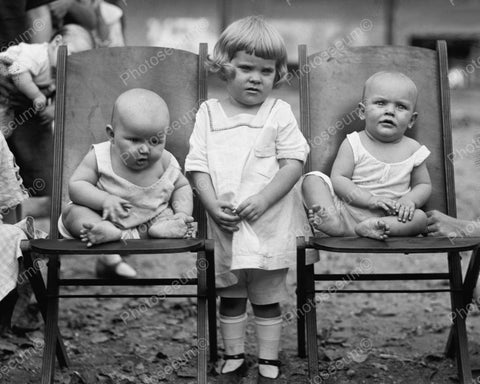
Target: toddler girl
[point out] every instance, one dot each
(246, 154)
(379, 178)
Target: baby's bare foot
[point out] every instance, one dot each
(101, 232)
(374, 228)
(324, 221)
(172, 228)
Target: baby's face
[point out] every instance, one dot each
(139, 146)
(389, 107)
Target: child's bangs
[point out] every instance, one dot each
(259, 44)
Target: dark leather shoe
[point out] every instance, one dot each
(236, 376)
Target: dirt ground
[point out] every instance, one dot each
(363, 338)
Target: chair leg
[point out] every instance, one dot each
(301, 300)
(51, 323)
(202, 318)
(310, 310)
(38, 286)
(469, 284)
(212, 306)
(457, 303)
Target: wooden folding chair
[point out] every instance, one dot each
(330, 89)
(87, 85)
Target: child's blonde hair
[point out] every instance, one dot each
(254, 36)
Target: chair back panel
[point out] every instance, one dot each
(335, 88)
(94, 79)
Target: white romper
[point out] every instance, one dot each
(391, 180)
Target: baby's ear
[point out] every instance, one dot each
(413, 119)
(110, 132)
(361, 110)
(58, 40)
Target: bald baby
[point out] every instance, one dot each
(140, 107)
(130, 186)
(392, 80)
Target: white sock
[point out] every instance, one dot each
(233, 334)
(268, 335)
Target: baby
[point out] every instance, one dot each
(30, 66)
(130, 187)
(379, 178)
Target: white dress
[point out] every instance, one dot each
(391, 180)
(241, 154)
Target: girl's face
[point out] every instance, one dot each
(252, 79)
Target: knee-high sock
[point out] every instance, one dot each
(233, 334)
(268, 334)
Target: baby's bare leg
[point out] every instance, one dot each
(322, 212)
(374, 227)
(86, 224)
(172, 227)
(74, 216)
(414, 227)
(381, 228)
(100, 232)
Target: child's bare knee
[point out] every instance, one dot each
(420, 215)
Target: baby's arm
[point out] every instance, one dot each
(180, 224)
(24, 82)
(83, 191)
(421, 188)
(254, 206)
(346, 189)
(217, 209)
(182, 197)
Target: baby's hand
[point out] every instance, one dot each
(405, 209)
(252, 208)
(40, 102)
(378, 202)
(47, 115)
(114, 208)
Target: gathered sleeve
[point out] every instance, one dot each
(290, 143)
(420, 155)
(197, 160)
(31, 58)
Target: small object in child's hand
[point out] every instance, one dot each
(230, 211)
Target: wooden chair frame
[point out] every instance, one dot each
(53, 248)
(460, 293)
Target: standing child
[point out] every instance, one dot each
(30, 67)
(246, 155)
(129, 187)
(379, 178)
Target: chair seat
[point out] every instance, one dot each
(394, 244)
(47, 246)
